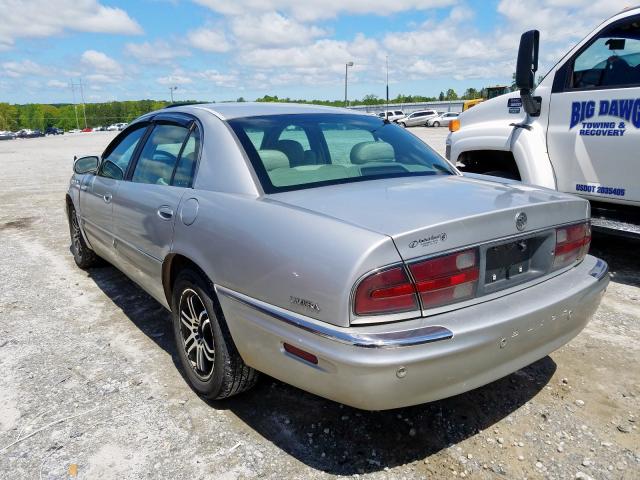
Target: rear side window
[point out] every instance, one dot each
(160, 155)
(256, 136)
(185, 170)
(115, 162)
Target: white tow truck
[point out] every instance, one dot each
(578, 131)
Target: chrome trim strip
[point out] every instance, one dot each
(599, 270)
(393, 339)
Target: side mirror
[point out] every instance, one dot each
(84, 165)
(526, 69)
(111, 170)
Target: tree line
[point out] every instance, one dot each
(14, 117)
(371, 99)
(69, 116)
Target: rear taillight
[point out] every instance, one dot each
(448, 279)
(388, 291)
(438, 281)
(572, 244)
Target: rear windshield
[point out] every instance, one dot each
(291, 152)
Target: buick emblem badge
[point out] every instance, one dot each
(521, 221)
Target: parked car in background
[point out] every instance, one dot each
(74, 130)
(27, 133)
(294, 240)
(117, 126)
(87, 130)
(99, 129)
(53, 131)
(392, 115)
(5, 135)
(442, 120)
(417, 119)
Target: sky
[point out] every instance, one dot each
(219, 50)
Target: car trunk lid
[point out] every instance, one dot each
(428, 215)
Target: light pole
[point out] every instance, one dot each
(346, 79)
(172, 89)
(387, 60)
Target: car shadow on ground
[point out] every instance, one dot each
(335, 438)
(620, 254)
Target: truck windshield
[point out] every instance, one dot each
(291, 152)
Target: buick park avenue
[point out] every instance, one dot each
(334, 251)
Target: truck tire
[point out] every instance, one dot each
(208, 355)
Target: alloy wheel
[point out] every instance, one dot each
(197, 334)
(75, 235)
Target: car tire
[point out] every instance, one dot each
(83, 255)
(436, 124)
(207, 352)
(403, 125)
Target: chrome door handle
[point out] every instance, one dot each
(165, 213)
(107, 197)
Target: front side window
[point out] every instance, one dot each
(343, 148)
(160, 155)
(612, 59)
(116, 160)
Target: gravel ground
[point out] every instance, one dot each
(89, 386)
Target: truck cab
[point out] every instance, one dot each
(578, 131)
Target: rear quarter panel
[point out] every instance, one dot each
(273, 252)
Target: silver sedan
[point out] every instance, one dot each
(442, 120)
(333, 251)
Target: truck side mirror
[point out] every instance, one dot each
(526, 69)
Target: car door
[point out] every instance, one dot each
(594, 116)
(98, 191)
(447, 117)
(415, 119)
(146, 204)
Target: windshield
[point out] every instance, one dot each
(291, 152)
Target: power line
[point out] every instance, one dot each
(75, 107)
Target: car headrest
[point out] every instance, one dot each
(310, 157)
(366, 152)
(291, 149)
(273, 159)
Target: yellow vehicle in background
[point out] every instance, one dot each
(488, 94)
(471, 103)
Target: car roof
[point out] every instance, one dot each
(228, 111)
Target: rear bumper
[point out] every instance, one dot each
(440, 356)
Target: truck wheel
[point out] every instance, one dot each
(207, 353)
(436, 124)
(84, 257)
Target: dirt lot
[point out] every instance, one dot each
(89, 386)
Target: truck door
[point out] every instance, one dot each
(593, 135)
